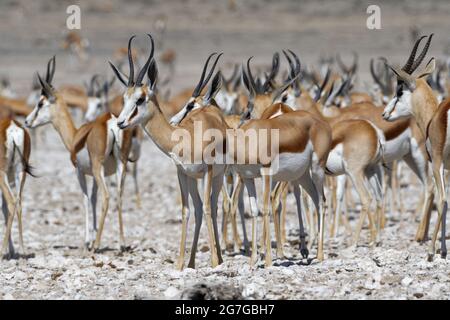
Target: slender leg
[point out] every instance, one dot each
(11, 206)
(308, 185)
(184, 191)
(93, 208)
(297, 193)
(226, 215)
(198, 211)
(136, 184)
(20, 182)
(233, 208)
(215, 191)
(374, 175)
(266, 219)
(121, 172)
(250, 186)
(438, 173)
(340, 191)
(275, 197)
(207, 212)
(82, 181)
(241, 208)
(419, 166)
(283, 215)
(99, 176)
(358, 181)
(6, 215)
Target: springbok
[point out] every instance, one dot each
(98, 104)
(76, 46)
(5, 88)
(14, 156)
(97, 149)
(415, 98)
(141, 107)
(403, 142)
(356, 150)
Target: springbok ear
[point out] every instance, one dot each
(121, 76)
(152, 75)
(429, 69)
(403, 76)
(215, 86)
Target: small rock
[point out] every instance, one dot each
(406, 281)
(171, 292)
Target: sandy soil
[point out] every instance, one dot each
(59, 268)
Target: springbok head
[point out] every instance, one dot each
(383, 78)
(137, 95)
(291, 93)
(400, 105)
(261, 96)
(197, 100)
(97, 97)
(5, 88)
(228, 97)
(46, 105)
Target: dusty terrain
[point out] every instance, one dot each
(58, 267)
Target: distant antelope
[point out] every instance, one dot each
(76, 46)
(96, 149)
(415, 98)
(5, 88)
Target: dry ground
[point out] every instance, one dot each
(54, 219)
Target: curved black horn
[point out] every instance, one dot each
(297, 61)
(145, 67)
(324, 84)
(250, 76)
(47, 90)
(341, 64)
(198, 89)
(233, 75)
(422, 54)
(211, 71)
(410, 61)
(291, 65)
(130, 61)
(50, 70)
(374, 75)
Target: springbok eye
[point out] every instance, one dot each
(140, 101)
(190, 106)
(284, 98)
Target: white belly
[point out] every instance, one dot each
(396, 148)
(292, 166)
(335, 161)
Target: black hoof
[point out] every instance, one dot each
(430, 257)
(444, 254)
(304, 252)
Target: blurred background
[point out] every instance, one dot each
(188, 30)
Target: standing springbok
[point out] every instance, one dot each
(14, 156)
(415, 98)
(97, 149)
(98, 104)
(141, 107)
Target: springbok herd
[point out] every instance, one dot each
(325, 128)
